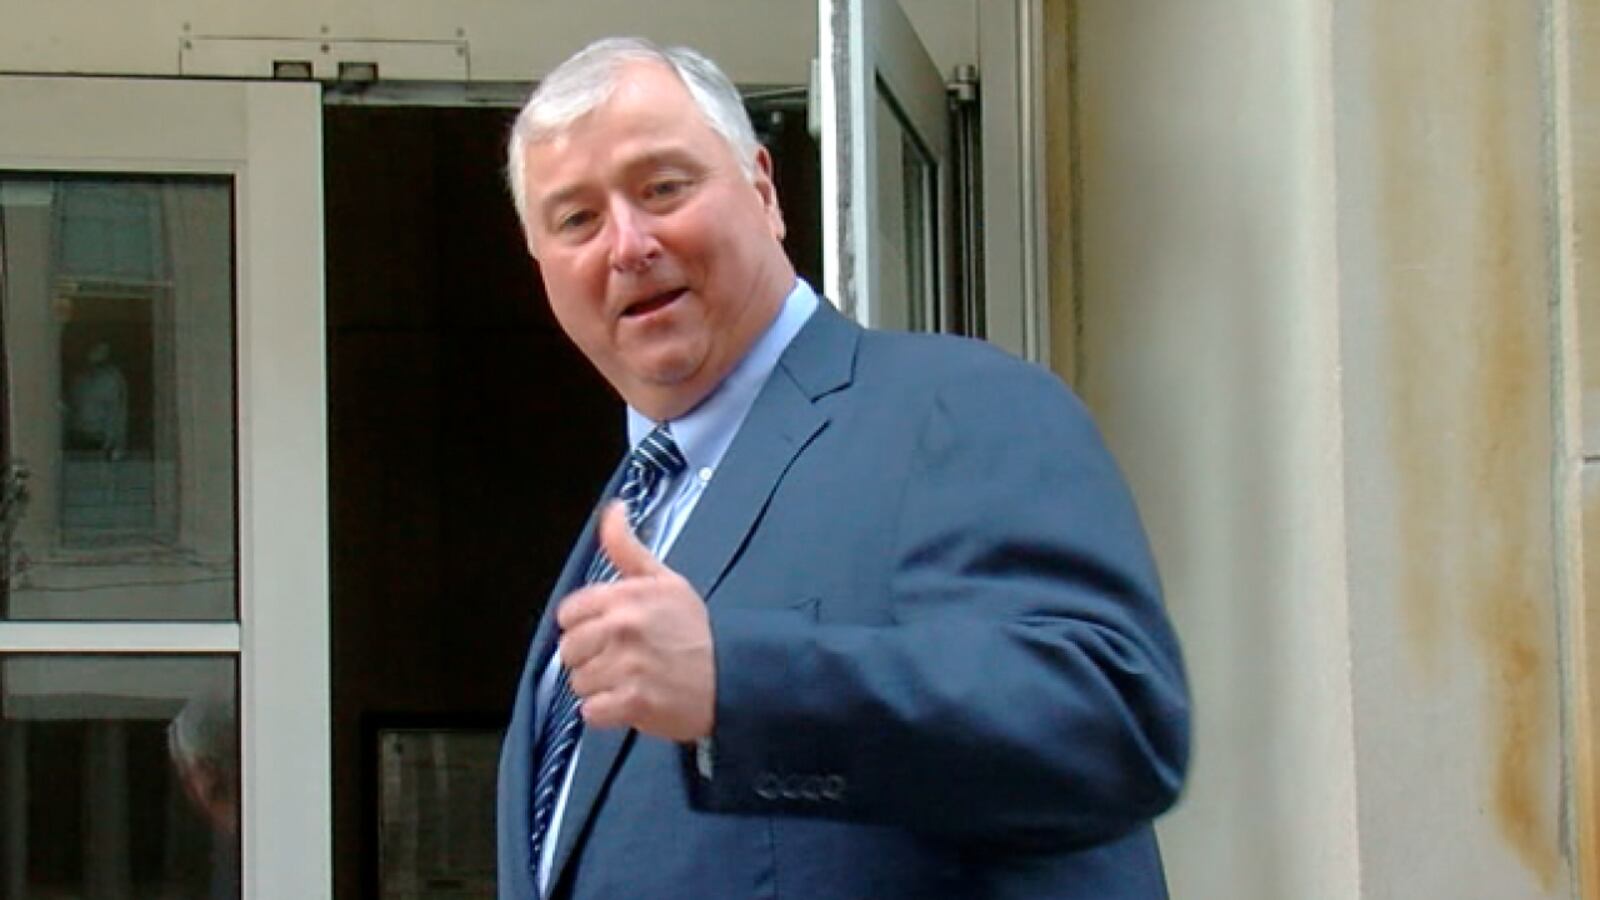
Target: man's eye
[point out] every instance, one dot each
(574, 221)
(665, 188)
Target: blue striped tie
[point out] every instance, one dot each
(651, 466)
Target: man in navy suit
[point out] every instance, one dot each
(880, 623)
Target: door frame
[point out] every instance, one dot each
(265, 137)
(1016, 289)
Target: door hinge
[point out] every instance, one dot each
(963, 85)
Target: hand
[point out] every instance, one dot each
(639, 648)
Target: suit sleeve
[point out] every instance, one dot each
(1028, 691)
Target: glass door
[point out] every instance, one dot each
(886, 166)
(163, 574)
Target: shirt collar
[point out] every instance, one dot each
(704, 433)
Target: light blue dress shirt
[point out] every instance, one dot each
(703, 436)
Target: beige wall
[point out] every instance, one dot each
(1317, 314)
(1581, 188)
(429, 39)
(498, 42)
(1444, 245)
(1209, 319)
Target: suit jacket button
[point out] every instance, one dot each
(811, 788)
(791, 787)
(833, 788)
(767, 786)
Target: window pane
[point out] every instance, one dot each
(119, 777)
(436, 796)
(906, 178)
(118, 424)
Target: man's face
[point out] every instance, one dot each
(662, 260)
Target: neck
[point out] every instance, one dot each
(672, 401)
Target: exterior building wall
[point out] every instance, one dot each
(480, 42)
(1208, 313)
(756, 41)
(1451, 445)
(1324, 262)
(1579, 148)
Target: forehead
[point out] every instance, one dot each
(647, 108)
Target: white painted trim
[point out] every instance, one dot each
(1036, 187)
(824, 73)
(119, 637)
(266, 135)
(862, 44)
(846, 149)
(1578, 610)
(1016, 291)
(117, 166)
(283, 533)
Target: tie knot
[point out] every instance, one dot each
(650, 466)
(658, 454)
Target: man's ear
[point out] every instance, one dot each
(768, 191)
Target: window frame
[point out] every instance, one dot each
(266, 137)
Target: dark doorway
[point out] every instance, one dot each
(467, 438)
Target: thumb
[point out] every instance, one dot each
(620, 545)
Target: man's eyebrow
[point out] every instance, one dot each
(666, 157)
(675, 157)
(559, 198)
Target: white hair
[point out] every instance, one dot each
(585, 82)
(206, 731)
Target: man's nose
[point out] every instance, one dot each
(633, 244)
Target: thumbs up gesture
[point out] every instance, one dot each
(638, 649)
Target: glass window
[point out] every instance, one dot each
(119, 777)
(436, 798)
(118, 383)
(907, 182)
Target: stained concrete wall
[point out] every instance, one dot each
(1446, 284)
(1447, 292)
(1319, 317)
(1209, 319)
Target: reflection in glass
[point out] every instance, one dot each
(119, 777)
(117, 331)
(906, 180)
(436, 794)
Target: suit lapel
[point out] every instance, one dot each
(516, 765)
(781, 422)
(779, 425)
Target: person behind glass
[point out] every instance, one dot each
(98, 404)
(203, 741)
(875, 617)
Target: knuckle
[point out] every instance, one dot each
(632, 668)
(582, 682)
(631, 701)
(628, 624)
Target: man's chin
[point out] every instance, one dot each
(666, 392)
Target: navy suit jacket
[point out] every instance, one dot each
(943, 669)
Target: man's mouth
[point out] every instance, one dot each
(652, 303)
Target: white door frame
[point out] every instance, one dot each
(267, 138)
(1011, 86)
(1015, 197)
